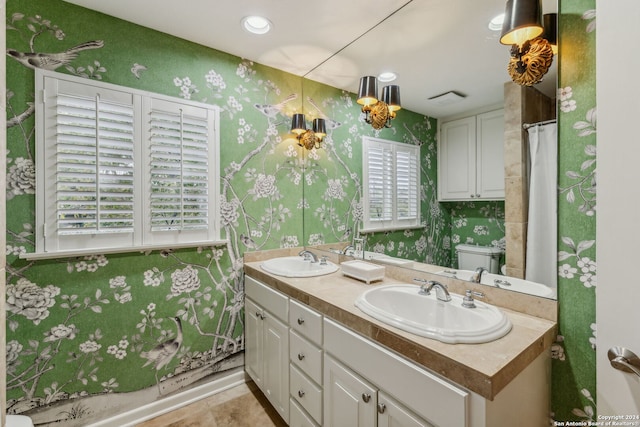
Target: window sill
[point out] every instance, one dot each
(33, 256)
(383, 229)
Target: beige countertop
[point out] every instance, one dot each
(482, 368)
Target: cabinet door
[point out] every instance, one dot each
(490, 155)
(276, 364)
(349, 401)
(253, 341)
(393, 414)
(457, 160)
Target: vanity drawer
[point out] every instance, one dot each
(306, 321)
(306, 393)
(305, 356)
(271, 300)
(299, 418)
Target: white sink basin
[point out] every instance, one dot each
(403, 307)
(504, 282)
(296, 266)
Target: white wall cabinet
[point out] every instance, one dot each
(267, 343)
(471, 158)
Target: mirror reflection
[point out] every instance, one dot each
(481, 237)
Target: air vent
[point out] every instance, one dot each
(447, 98)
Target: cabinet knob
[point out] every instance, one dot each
(259, 315)
(381, 408)
(300, 320)
(366, 397)
(300, 356)
(473, 195)
(300, 393)
(477, 195)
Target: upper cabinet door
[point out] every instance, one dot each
(490, 155)
(457, 164)
(471, 158)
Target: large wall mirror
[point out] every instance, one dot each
(333, 181)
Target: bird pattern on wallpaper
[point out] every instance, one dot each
(52, 61)
(248, 241)
(163, 353)
(272, 110)
(137, 69)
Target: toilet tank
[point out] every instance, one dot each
(471, 257)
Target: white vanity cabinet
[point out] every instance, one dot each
(267, 343)
(360, 378)
(317, 372)
(471, 158)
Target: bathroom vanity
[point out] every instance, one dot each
(322, 362)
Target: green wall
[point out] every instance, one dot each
(574, 356)
(77, 328)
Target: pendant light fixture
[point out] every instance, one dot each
(531, 55)
(378, 112)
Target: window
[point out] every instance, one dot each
(122, 169)
(391, 173)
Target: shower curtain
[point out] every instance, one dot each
(542, 238)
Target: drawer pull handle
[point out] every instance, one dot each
(300, 393)
(381, 408)
(300, 320)
(366, 397)
(300, 356)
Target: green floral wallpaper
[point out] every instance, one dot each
(574, 356)
(84, 329)
(84, 334)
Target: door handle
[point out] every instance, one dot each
(624, 360)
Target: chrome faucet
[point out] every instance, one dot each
(347, 249)
(441, 290)
(308, 255)
(477, 276)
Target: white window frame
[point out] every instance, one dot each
(51, 238)
(391, 179)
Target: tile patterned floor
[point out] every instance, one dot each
(241, 406)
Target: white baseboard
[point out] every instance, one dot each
(171, 403)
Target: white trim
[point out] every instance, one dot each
(83, 252)
(171, 403)
(398, 228)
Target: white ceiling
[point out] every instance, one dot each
(434, 46)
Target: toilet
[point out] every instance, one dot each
(18, 421)
(471, 257)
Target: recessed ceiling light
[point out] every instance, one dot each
(496, 23)
(256, 24)
(387, 76)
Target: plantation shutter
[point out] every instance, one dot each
(407, 183)
(391, 195)
(179, 171)
(380, 181)
(94, 165)
(180, 181)
(120, 169)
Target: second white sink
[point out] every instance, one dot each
(403, 307)
(296, 266)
